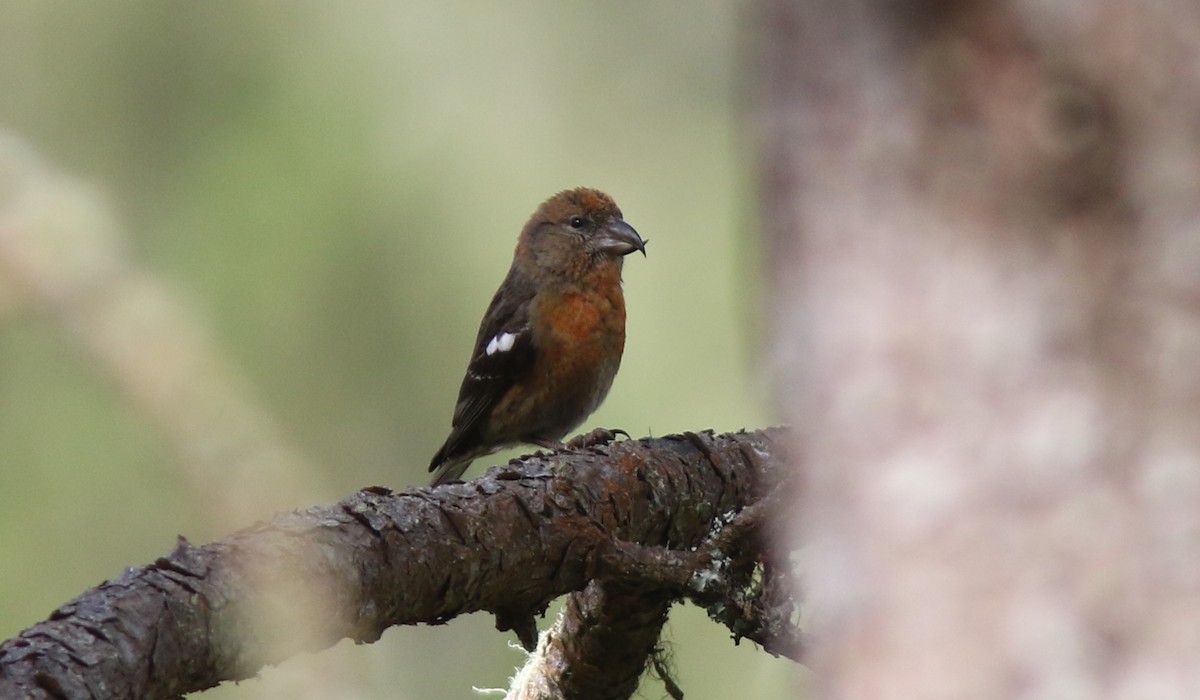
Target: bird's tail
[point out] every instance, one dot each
(449, 469)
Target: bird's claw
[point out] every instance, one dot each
(599, 436)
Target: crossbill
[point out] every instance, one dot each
(551, 340)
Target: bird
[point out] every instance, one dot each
(551, 340)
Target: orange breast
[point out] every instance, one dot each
(580, 336)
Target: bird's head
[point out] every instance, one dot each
(575, 232)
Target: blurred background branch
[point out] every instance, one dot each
(62, 254)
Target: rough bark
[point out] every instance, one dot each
(600, 645)
(983, 232)
(509, 542)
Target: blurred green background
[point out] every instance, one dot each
(329, 194)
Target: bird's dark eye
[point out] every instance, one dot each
(578, 222)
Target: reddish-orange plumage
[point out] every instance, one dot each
(552, 338)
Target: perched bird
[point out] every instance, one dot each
(551, 341)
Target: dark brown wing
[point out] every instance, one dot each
(504, 350)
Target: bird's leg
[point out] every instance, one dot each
(598, 436)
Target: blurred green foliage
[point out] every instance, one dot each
(335, 190)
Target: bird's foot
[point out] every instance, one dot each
(599, 436)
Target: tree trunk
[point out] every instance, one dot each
(982, 221)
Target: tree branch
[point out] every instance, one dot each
(599, 646)
(735, 574)
(511, 541)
